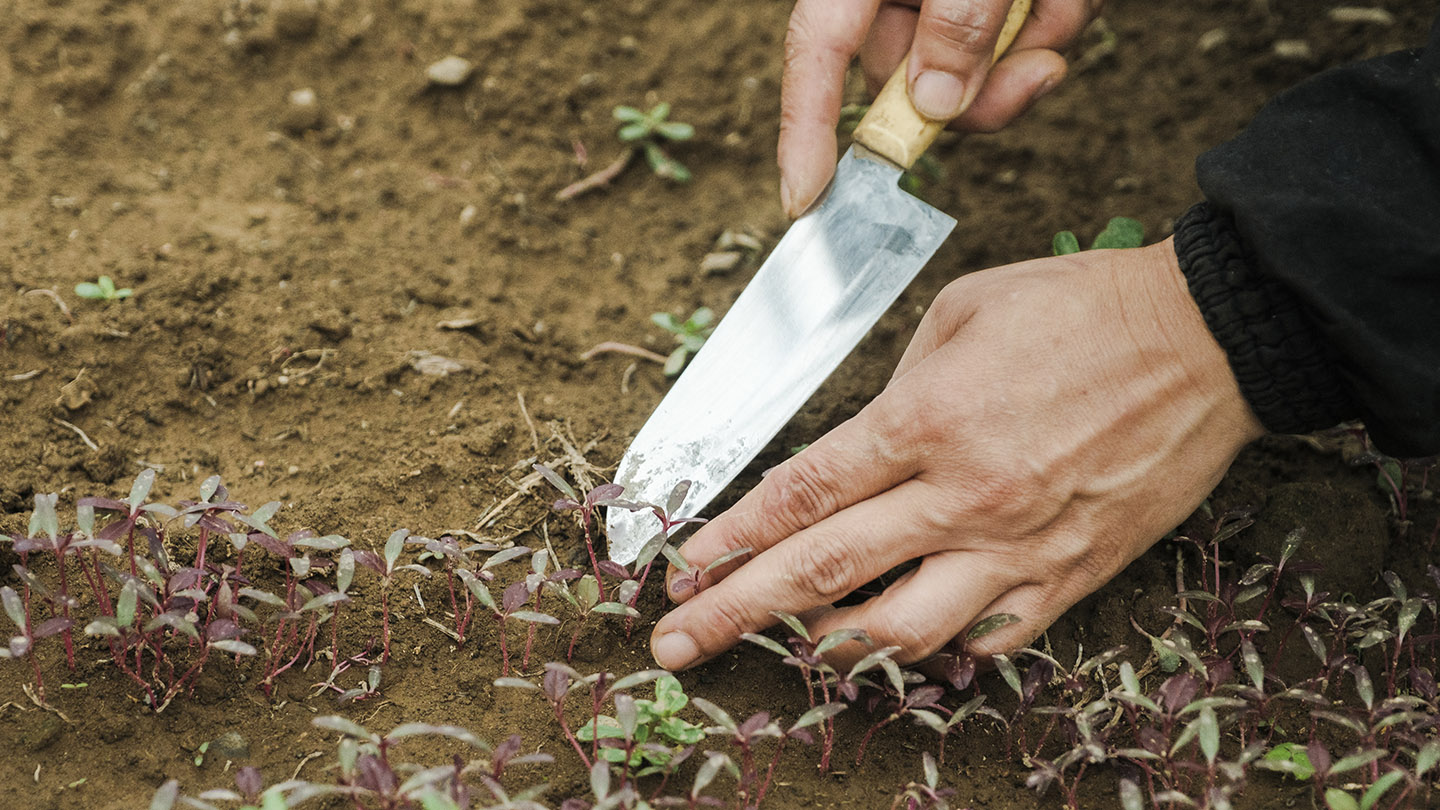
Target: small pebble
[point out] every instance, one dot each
(1362, 14)
(452, 71)
(468, 215)
(1212, 39)
(737, 240)
(1294, 50)
(720, 262)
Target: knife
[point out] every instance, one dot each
(835, 272)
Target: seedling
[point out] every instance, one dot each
(642, 725)
(1120, 232)
(387, 567)
(102, 289)
(690, 334)
(643, 133)
(648, 130)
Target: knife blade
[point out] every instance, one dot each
(835, 272)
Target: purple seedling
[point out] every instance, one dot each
(386, 567)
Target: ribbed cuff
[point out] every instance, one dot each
(1276, 355)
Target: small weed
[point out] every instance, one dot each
(102, 289)
(642, 133)
(690, 334)
(1120, 232)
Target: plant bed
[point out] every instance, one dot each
(353, 293)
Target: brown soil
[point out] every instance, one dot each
(289, 262)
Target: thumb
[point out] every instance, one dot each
(951, 56)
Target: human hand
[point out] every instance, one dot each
(951, 43)
(1049, 421)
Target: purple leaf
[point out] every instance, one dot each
(1177, 692)
(222, 629)
(960, 670)
(51, 626)
(752, 724)
(516, 594)
(108, 504)
(1319, 757)
(603, 492)
(249, 782)
(556, 684)
(611, 568)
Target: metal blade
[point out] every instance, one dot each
(829, 279)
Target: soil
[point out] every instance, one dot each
(292, 262)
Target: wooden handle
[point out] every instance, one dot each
(894, 129)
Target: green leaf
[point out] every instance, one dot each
(796, 626)
(670, 696)
(324, 600)
(125, 606)
(615, 609)
(990, 624)
(44, 520)
(675, 131)
(1426, 758)
(659, 112)
(679, 731)
(90, 291)
(727, 557)
(609, 729)
(14, 607)
(675, 363)
(768, 643)
(1209, 731)
(1354, 761)
(820, 713)
(1337, 799)
(587, 590)
(141, 488)
(1065, 243)
(1292, 759)
(1254, 667)
(165, 797)
(1009, 673)
(633, 132)
(342, 725)
(1120, 233)
(393, 546)
(720, 716)
(345, 571)
(627, 114)
(1376, 790)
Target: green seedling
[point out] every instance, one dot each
(1119, 233)
(642, 133)
(690, 334)
(102, 289)
(647, 130)
(655, 723)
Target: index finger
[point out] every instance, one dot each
(864, 456)
(822, 39)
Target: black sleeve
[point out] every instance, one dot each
(1316, 257)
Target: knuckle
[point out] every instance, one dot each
(800, 492)
(727, 621)
(961, 28)
(905, 633)
(829, 569)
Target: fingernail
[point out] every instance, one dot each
(674, 651)
(1051, 82)
(938, 95)
(680, 587)
(787, 199)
